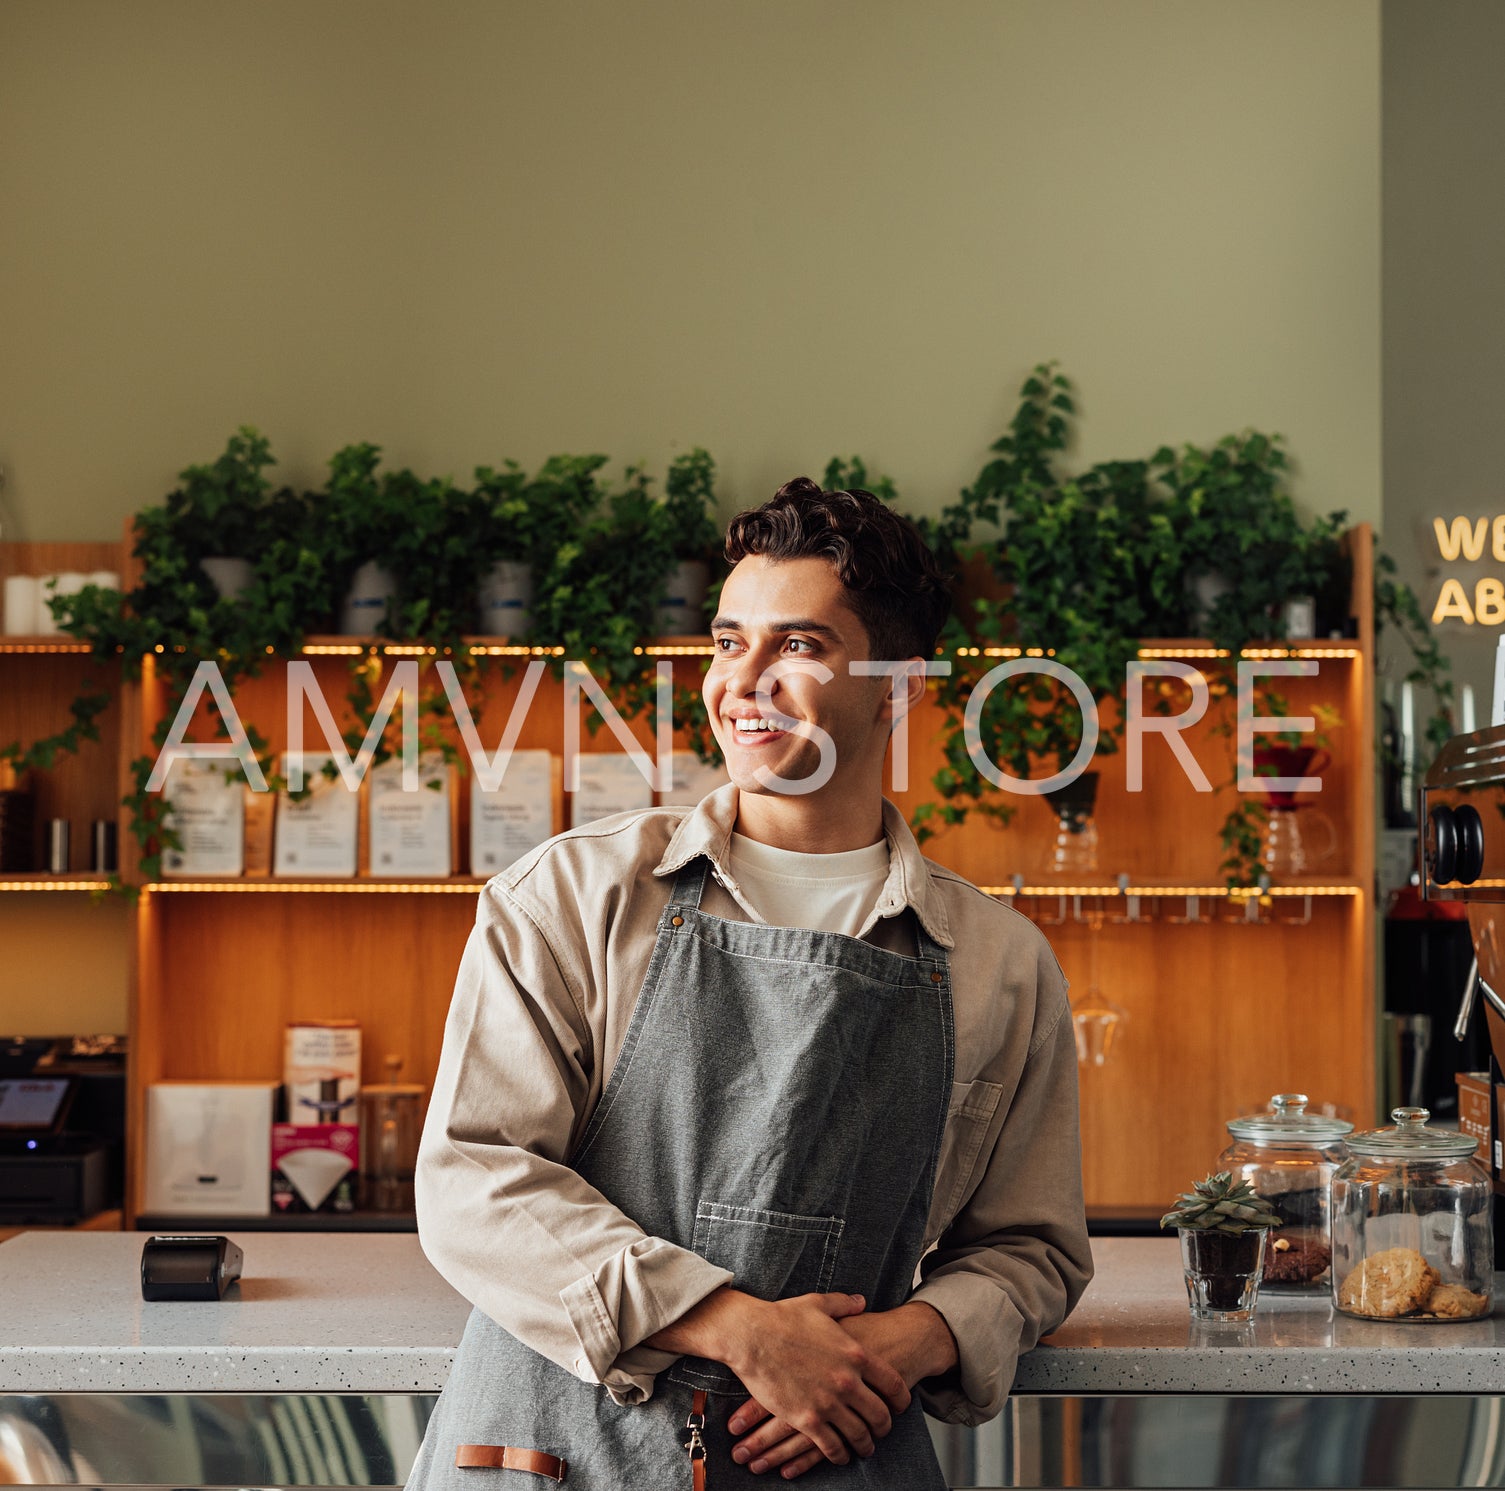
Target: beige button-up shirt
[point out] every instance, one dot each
(545, 991)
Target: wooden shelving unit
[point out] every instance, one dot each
(1220, 1013)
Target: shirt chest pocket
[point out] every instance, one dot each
(968, 1116)
(774, 1255)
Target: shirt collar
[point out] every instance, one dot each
(707, 830)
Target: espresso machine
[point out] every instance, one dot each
(1462, 822)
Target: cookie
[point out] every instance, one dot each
(1396, 1282)
(1299, 1262)
(1454, 1302)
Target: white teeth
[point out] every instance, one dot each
(753, 726)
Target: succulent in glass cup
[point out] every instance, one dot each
(1224, 1228)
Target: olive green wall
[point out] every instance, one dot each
(1444, 299)
(478, 228)
(472, 229)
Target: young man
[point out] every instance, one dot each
(750, 1121)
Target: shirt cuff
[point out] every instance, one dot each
(988, 1328)
(631, 1296)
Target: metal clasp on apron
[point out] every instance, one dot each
(691, 1437)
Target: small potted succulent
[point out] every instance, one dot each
(1224, 1228)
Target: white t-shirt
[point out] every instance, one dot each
(821, 892)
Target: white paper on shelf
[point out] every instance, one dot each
(410, 830)
(317, 835)
(609, 783)
(207, 810)
(693, 779)
(516, 818)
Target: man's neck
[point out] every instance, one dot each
(807, 825)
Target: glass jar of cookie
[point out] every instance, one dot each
(1413, 1225)
(1288, 1154)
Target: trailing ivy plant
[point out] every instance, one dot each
(174, 615)
(1089, 564)
(1396, 604)
(1092, 564)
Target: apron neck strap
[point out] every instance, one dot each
(689, 883)
(929, 948)
(689, 886)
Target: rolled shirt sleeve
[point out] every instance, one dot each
(501, 1215)
(1015, 1259)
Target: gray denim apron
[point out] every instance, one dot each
(777, 1107)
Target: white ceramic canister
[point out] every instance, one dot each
(70, 582)
(22, 600)
(228, 576)
(681, 611)
(506, 599)
(372, 588)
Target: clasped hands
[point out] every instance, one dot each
(826, 1379)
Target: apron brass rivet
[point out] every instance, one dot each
(936, 978)
(676, 921)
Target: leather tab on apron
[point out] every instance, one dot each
(694, 1441)
(507, 1457)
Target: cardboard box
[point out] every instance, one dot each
(321, 1071)
(208, 1148)
(314, 1167)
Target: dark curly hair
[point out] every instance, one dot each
(893, 582)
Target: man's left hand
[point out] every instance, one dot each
(914, 1339)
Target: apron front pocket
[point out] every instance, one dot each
(773, 1255)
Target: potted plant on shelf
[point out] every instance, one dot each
(1250, 558)
(689, 525)
(521, 523)
(1224, 1228)
(222, 516)
(368, 521)
(1087, 565)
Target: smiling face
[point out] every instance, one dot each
(793, 613)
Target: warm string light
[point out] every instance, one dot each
(1175, 892)
(45, 883)
(1173, 652)
(412, 649)
(16, 645)
(1301, 652)
(459, 885)
(487, 649)
(510, 650)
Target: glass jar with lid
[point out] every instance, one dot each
(1288, 1156)
(1413, 1224)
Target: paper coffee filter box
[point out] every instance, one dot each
(314, 1167)
(322, 1072)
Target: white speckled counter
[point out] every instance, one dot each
(320, 1370)
(327, 1313)
(314, 1313)
(1133, 1333)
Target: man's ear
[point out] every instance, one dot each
(899, 702)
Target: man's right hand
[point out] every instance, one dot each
(796, 1361)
